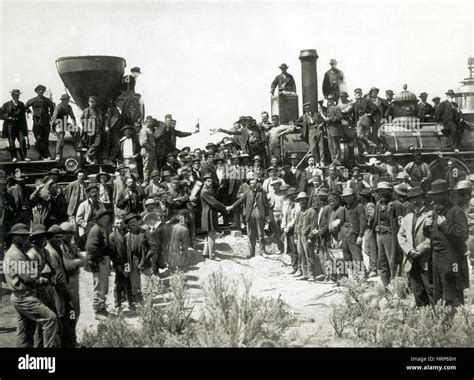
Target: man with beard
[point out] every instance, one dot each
(18, 201)
(419, 171)
(386, 227)
(414, 241)
(209, 217)
(369, 245)
(450, 116)
(63, 297)
(114, 121)
(334, 222)
(75, 194)
(42, 110)
(61, 115)
(352, 231)
(449, 233)
(257, 210)
(290, 210)
(30, 309)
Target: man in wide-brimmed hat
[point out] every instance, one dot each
(43, 108)
(31, 310)
(416, 247)
(14, 125)
(449, 233)
(98, 260)
(60, 124)
(18, 201)
(449, 114)
(311, 124)
(105, 189)
(284, 81)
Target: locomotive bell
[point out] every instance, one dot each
(404, 104)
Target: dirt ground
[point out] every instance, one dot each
(309, 301)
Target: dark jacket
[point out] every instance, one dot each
(114, 120)
(130, 205)
(18, 113)
(97, 246)
(210, 206)
(174, 133)
(286, 84)
(356, 220)
(332, 79)
(254, 198)
(447, 112)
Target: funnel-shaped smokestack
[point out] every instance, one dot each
(309, 77)
(93, 75)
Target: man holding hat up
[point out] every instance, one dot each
(43, 108)
(31, 310)
(15, 128)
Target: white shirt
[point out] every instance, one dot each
(128, 148)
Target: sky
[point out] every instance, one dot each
(215, 60)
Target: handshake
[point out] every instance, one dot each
(229, 208)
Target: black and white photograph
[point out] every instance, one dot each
(201, 175)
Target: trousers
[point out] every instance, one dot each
(101, 285)
(387, 260)
(256, 231)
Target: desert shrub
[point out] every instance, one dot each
(238, 319)
(390, 318)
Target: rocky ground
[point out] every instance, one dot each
(309, 301)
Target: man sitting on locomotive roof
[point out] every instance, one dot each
(449, 114)
(284, 81)
(274, 134)
(43, 108)
(129, 81)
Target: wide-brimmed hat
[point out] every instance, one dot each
(270, 168)
(67, 227)
(125, 127)
(334, 195)
(402, 175)
(291, 191)
(40, 87)
(15, 91)
(64, 97)
(19, 229)
(464, 184)
(150, 201)
(38, 230)
(384, 186)
(206, 176)
(423, 95)
(301, 195)
(402, 189)
(107, 176)
(54, 230)
(347, 191)
(154, 173)
(92, 186)
(322, 191)
(450, 92)
(438, 187)
(102, 213)
(283, 66)
(208, 153)
(365, 192)
(129, 217)
(415, 192)
(389, 92)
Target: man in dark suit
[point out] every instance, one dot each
(424, 110)
(128, 200)
(387, 104)
(18, 202)
(114, 121)
(208, 168)
(92, 132)
(449, 114)
(15, 128)
(284, 81)
(43, 108)
(312, 132)
(209, 215)
(60, 121)
(332, 80)
(298, 173)
(257, 210)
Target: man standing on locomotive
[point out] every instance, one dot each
(43, 108)
(62, 113)
(449, 114)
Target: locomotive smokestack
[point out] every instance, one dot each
(309, 77)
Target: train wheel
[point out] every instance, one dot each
(438, 167)
(71, 165)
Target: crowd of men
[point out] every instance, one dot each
(142, 219)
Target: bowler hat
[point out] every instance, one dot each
(124, 128)
(464, 184)
(209, 144)
(450, 92)
(135, 70)
(302, 195)
(67, 227)
(131, 216)
(102, 213)
(283, 66)
(40, 87)
(415, 192)
(19, 229)
(389, 92)
(101, 173)
(15, 91)
(423, 95)
(436, 98)
(343, 94)
(332, 61)
(64, 97)
(438, 187)
(206, 176)
(347, 191)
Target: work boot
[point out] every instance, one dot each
(294, 270)
(298, 273)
